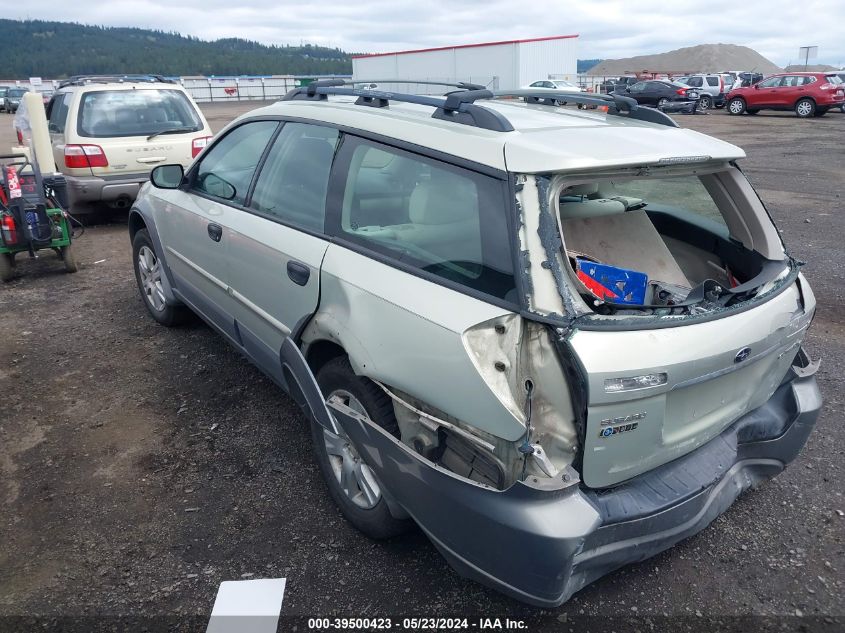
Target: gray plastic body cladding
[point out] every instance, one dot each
(543, 546)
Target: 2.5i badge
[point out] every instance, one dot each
(621, 424)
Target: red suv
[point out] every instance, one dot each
(809, 94)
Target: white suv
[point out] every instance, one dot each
(109, 132)
(559, 341)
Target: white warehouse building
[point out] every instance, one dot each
(497, 65)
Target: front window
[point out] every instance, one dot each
(139, 112)
(16, 93)
(771, 82)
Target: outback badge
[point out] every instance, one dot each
(621, 424)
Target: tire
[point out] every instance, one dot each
(736, 106)
(805, 108)
(705, 103)
(149, 281)
(661, 103)
(842, 109)
(361, 501)
(753, 112)
(7, 267)
(68, 256)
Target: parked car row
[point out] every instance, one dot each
(665, 95)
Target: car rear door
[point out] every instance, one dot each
(194, 222)
(277, 245)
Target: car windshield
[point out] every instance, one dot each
(16, 92)
(564, 84)
(833, 79)
(112, 113)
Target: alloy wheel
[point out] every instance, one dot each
(149, 269)
(804, 108)
(355, 478)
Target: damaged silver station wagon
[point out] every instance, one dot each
(558, 340)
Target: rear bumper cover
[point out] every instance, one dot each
(94, 189)
(541, 542)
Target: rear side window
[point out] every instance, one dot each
(112, 113)
(58, 112)
(441, 219)
(712, 81)
(226, 170)
(293, 181)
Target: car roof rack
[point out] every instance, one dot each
(459, 105)
(81, 80)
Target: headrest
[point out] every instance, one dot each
(443, 199)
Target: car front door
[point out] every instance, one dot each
(276, 243)
(194, 221)
(638, 92)
(765, 94)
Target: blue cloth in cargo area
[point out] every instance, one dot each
(616, 285)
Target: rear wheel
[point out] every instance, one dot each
(705, 103)
(148, 275)
(350, 481)
(661, 103)
(736, 106)
(7, 266)
(69, 258)
(805, 108)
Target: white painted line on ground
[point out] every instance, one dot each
(247, 606)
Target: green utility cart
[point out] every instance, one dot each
(33, 214)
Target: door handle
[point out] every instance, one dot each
(298, 272)
(215, 231)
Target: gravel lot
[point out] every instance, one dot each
(140, 466)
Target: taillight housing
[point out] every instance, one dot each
(8, 230)
(85, 156)
(20, 136)
(198, 144)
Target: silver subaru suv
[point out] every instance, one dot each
(557, 340)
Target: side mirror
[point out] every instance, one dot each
(627, 88)
(756, 87)
(167, 176)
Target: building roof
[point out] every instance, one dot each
(545, 139)
(448, 48)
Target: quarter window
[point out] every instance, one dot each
(227, 170)
(441, 219)
(293, 181)
(58, 113)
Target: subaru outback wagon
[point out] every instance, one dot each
(559, 341)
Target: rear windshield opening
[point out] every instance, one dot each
(662, 245)
(112, 113)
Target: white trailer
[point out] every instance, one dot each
(503, 65)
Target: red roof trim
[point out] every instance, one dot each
(447, 48)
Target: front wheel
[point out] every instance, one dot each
(705, 103)
(351, 482)
(148, 275)
(805, 108)
(7, 266)
(736, 106)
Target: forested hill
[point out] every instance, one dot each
(35, 48)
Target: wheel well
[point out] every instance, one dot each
(136, 223)
(804, 99)
(321, 352)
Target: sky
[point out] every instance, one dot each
(608, 29)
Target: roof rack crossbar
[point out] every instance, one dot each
(463, 113)
(617, 105)
(459, 106)
(79, 80)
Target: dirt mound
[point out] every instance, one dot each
(701, 58)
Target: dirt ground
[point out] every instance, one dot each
(140, 466)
